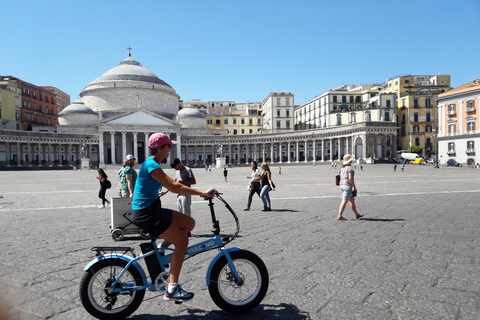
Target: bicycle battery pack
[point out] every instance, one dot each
(151, 261)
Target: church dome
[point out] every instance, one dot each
(128, 70)
(128, 87)
(77, 106)
(189, 112)
(77, 114)
(191, 118)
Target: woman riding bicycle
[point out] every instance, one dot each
(148, 214)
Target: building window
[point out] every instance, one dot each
(288, 124)
(351, 99)
(234, 121)
(451, 147)
(344, 99)
(470, 146)
(404, 131)
(417, 142)
(404, 118)
(250, 121)
(339, 119)
(451, 128)
(250, 131)
(234, 131)
(243, 131)
(415, 117)
(416, 129)
(287, 101)
(451, 110)
(217, 122)
(429, 142)
(288, 113)
(334, 98)
(278, 125)
(387, 116)
(278, 113)
(470, 126)
(278, 101)
(259, 121)
(470, 106)
(225, 121)
(428, 103)
(242, 121)
(388, 104)
(428, 128)
(407, 81)
(429, 116)
(415, 103)
(209, 121)
(368, 116)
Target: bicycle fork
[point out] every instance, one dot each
(233, 271)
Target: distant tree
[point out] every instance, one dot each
(415, 149)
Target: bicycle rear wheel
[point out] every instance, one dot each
(96, 294)
(229, 294)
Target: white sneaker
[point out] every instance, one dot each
(101, 207)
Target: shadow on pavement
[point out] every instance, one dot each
(284, 210)
(281, 311)
(381, 220)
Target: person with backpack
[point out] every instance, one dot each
(129, 177)
(104, 185)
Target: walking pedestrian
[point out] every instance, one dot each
(395, 167)
(254, 184)
(403, 167)
(104, 185)
(129, 176)
(170, 225)
(348, 187)
(225, 173)
(266, 185)
(185, 176)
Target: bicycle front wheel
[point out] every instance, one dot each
(234, 296)
(97, 296)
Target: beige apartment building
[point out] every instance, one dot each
(417, 109)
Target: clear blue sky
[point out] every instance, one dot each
(241, 50)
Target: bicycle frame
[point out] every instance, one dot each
(207, 245)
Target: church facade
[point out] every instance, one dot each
(118, 111)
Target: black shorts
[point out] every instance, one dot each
(154, 219)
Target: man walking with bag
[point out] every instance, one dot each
(185, 176)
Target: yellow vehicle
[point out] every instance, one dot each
(418, 161)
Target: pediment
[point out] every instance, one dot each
(141, 118)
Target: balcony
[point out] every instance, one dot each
(451, 112)
(451, 152)
(470, 151)
(416, 133)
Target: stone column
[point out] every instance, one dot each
(135, 145)
(332, 149)
(19, 155)
(239, 153)
(374, 153)
(230, 149)
(112, 146)
(101, 155)
(179, 148)
(365, 137)
(340, 149)
(8, 153)
(314, 145)
(263, 152)
(288, 153)
(297, 152)
(69, 152)
(29, 154)
(323, 150)
(306, 150)
(147, 147)
(271, 153)
(124, 145)
(50, 155)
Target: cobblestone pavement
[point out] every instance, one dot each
(414, 255)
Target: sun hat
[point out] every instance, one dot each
(159, 139)
(129, 157)
(348, 158)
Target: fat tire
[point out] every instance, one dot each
(96, 310)
(218, 276)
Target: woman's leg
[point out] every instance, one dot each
(267, 196)
(250, 196)
(354, 208)
(263, 197)
(176, 235)
(341, 209)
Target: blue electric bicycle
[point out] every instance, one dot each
(114, 283)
